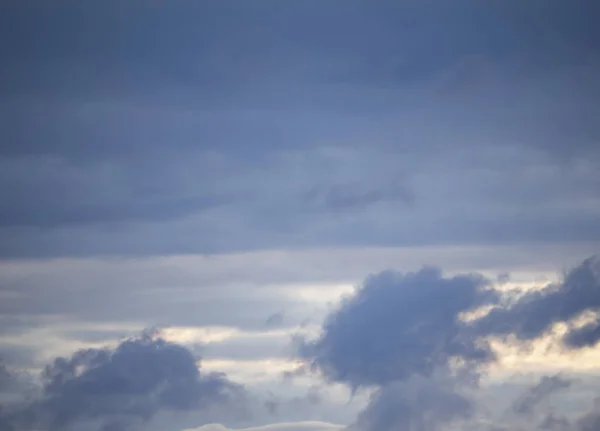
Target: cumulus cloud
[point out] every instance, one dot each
(398, 333)
(398, 325)
(122, 388)
(419, 339)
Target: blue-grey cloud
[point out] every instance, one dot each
(398, 334)
(534, 314)
(200, 127)
(536, 394)
(275, 319)
(353, 196)
(194, 128)
(406, 334)
(418, 404)
(399, 325)
(6, 378)
(124, 387)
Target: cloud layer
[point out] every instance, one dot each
(223, 127)
(227, 169)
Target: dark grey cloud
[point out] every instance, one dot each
(123, 388)
(534, 313)
(586, 336)
(406, 336)
(398, 325)
(199, 42)
(232, 126)
(398, 333)
(193, 128)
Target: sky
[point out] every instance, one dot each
(299, 215)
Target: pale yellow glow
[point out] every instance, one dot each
(207, 334)
(319, 293)
(218, 334)
(251, 371)
(544, 355)
(316, 279)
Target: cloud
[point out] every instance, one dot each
(535, 313)
(355, 132)
(350, 196)
(398, 333)
(224, 127)
(275, 320)
(416, 403)
(399, 325)
(5, 377)
(529, 400)
(416, 340)
(86, 303)
(50, 304)
(124, 387)
(590, 421)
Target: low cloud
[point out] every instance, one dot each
(398, 325)
(122, 388)
(416, 403)
(406, 336)
(534, 314)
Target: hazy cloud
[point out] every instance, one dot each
(529, 400)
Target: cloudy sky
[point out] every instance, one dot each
(299, 215)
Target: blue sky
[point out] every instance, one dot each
(335, 214)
